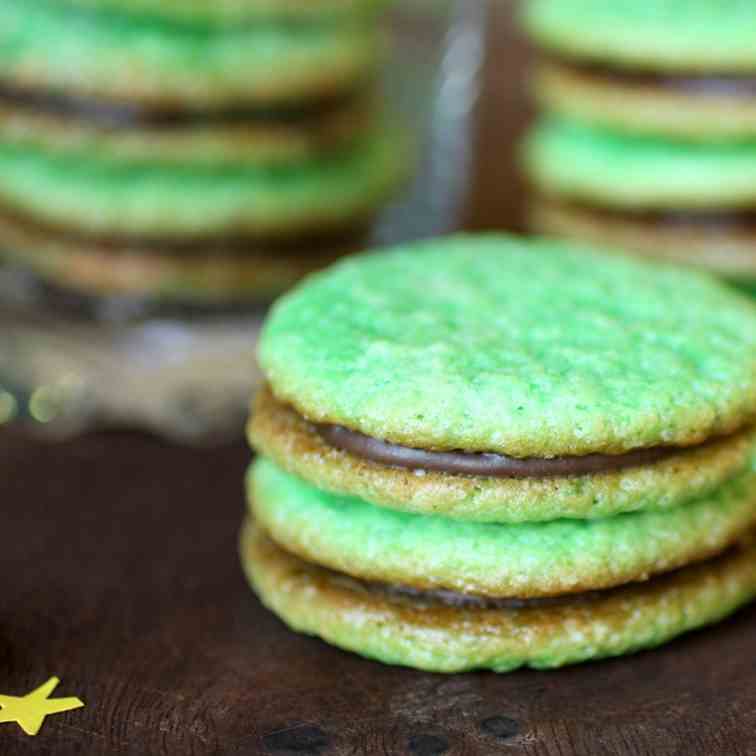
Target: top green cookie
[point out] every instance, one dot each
(527, 348)
(684, 35)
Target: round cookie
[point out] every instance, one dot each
(450, 635)
(123, 133)
(49, 46)
(210, 271)
(93, 194)
(723, 243)
(280, 433)
(656, 35)
(528, 349)
(697, 109)
(496, 560)
(609, 169)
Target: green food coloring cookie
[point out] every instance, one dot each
(525, 348)
(450, 634)
(523, 560)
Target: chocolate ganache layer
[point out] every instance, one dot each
(303, 244)
(487, 464)
(712, 85)
(712, 220)
(129, 116)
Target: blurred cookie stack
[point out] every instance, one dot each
(209, 152)
(648, 138)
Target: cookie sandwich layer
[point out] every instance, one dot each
(452, 633)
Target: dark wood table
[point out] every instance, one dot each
(119, 574)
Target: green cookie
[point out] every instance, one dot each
(522, 560)
(219, 141)
(525, 348)
(697, 109)
(674, 35)
(49, 46)
(448, 635)
(721, 243)
(611, 169)
(235, 11)
(94, 193)
(211, 272)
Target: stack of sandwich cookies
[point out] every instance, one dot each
(649, 135)
(207, 155)
(473, 451)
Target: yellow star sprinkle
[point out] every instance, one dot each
(29, 711)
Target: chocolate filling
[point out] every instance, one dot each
(711, 85)
(719, 220)
(486, 464)
(303, 244)
(471, 601)
(128, 116)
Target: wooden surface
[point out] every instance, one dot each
(120, 575)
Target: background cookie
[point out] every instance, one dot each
(46, 46)
(93, 194)
(647, 106)
(137, 135)
(221, 271)
(687, 107)
(694, 35)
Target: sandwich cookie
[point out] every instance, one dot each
(688, 202)
(113, 55)
(502, 419)
(94, 193)
(656, 103)
(205, 271)
(236, 134)
(446, 632)
(101, 225)
(207, 152)
(682, 70)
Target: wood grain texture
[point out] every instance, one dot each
(120, 574)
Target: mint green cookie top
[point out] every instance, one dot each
(49, 46)
(95, 192)
(524, 347)
(685, 35)
(639, 172)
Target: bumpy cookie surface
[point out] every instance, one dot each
(528, 348)
(442, 637)
(525, 559)
(690, 35)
